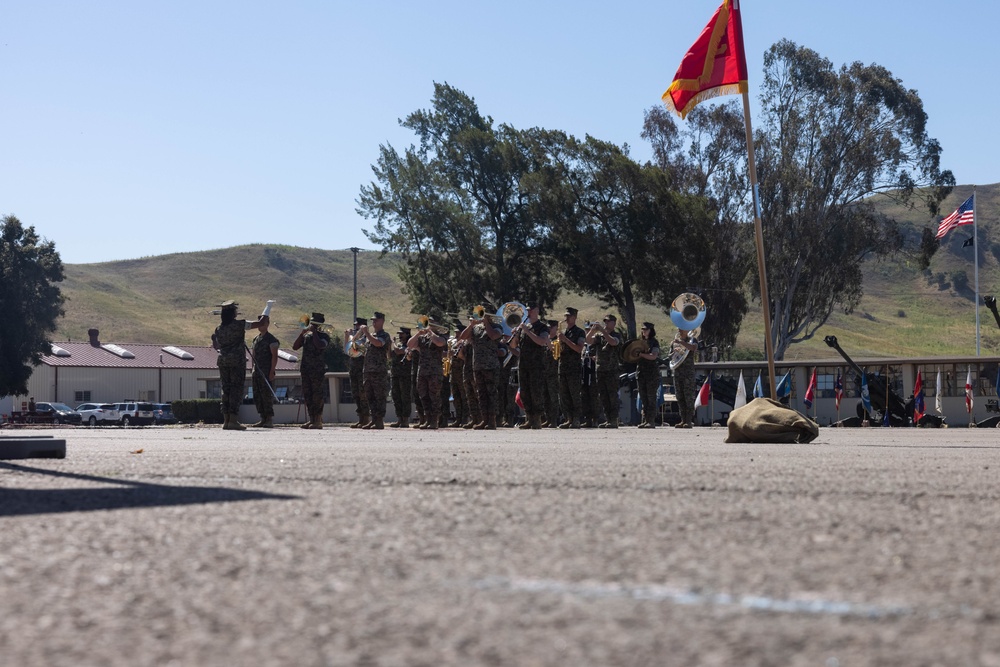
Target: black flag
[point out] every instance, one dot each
(969, 241)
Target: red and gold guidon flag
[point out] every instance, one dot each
(714, 65)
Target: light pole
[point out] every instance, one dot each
(355, 251)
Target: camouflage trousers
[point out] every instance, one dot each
(591, 407)
(357, 376)
(472, 395)
(532, 382)
(402, 398)
(607, 390)
(233, 380)
(685, 390)
(648, 384)
(486, 391)
(313, 390)
(376, 392)
(551, 398)
(461, 401)
(570, 385)
(429, 389)
(263, 399)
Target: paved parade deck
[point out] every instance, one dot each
(629, 547)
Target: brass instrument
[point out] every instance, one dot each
(510, 315)
(556, 349)
(357, 346)
(304, 323)
(424, 324)
(687, 312)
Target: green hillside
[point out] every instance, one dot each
(167, 298)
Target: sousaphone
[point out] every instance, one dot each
(687, 312)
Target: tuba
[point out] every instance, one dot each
(510, 315)
(687, 312)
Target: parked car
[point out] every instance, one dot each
(94, 414)
(60, 413)
(134, 413)
(163, 414)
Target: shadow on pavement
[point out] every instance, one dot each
(125, 494)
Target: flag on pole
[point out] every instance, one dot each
(741, 392)
(963, 215)
(918, 399)
(704, 393)
(937, 395)
(785, 386)
(715, 65)
(866, 397)
(758, 388)
(969, 242)
(968, 392)
(838, 390)
(810, 391)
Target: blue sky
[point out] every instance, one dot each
(130, 129)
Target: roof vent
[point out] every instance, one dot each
(59, 352)
(178, 352)
(288, 356)
(94, 340)
(120, 351)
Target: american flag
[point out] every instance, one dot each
(838, 390)
(963, 215)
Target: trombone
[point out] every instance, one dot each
(305, 323)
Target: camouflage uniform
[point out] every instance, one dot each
(591, 409)
(506, 408)
(571, 377)
(531, 373)
(312, 369)
(402, 396)
(377, 375)
(485, 364)
(684, 387)
(649, 382)
(232, 363)
(265, 346)
(429, 377)
(608, 370)
(414, 392)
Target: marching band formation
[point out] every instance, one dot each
(559, 373)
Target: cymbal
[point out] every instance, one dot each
(632, 350)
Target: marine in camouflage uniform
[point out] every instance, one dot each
(377, 371)
(312, 369)
(552, 378)
(649, 376)
(608, 343)
(356, 372)
(571, 371)
(506, 408)
(401, 370)
(591, 409)
(533, 341)
(485, 337)
(414, 393)
(684, 385)
(430, 373)
(265, 357)
(229, 340)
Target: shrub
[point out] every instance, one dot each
(196, 410)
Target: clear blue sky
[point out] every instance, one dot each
(130, 129)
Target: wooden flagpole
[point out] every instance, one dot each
(765, 299)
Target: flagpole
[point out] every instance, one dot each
(759, 234)
(975, 252)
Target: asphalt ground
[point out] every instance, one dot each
(195, 546)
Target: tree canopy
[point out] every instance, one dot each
(30, 301)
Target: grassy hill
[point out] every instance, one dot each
(167, 298)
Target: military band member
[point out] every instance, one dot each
(229, 340)
(684, 385)
(312, 368)
(356, 369)
(591, 409)
(571, 370)
(533, 342)
(506, 407)
(265, 357)
(401, 372)
(552, 377)
(430, 373)
(417, 403)
(608, 342)
(649, 376)
(485, 337)
(377, 370)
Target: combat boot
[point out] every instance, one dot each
(225, 422)
(575, 423)
(491, 423)
(404, 423)
(529, 422)
(267, 422)
(377, 424)
(362, 420)
(233, 424)
(317, 421)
